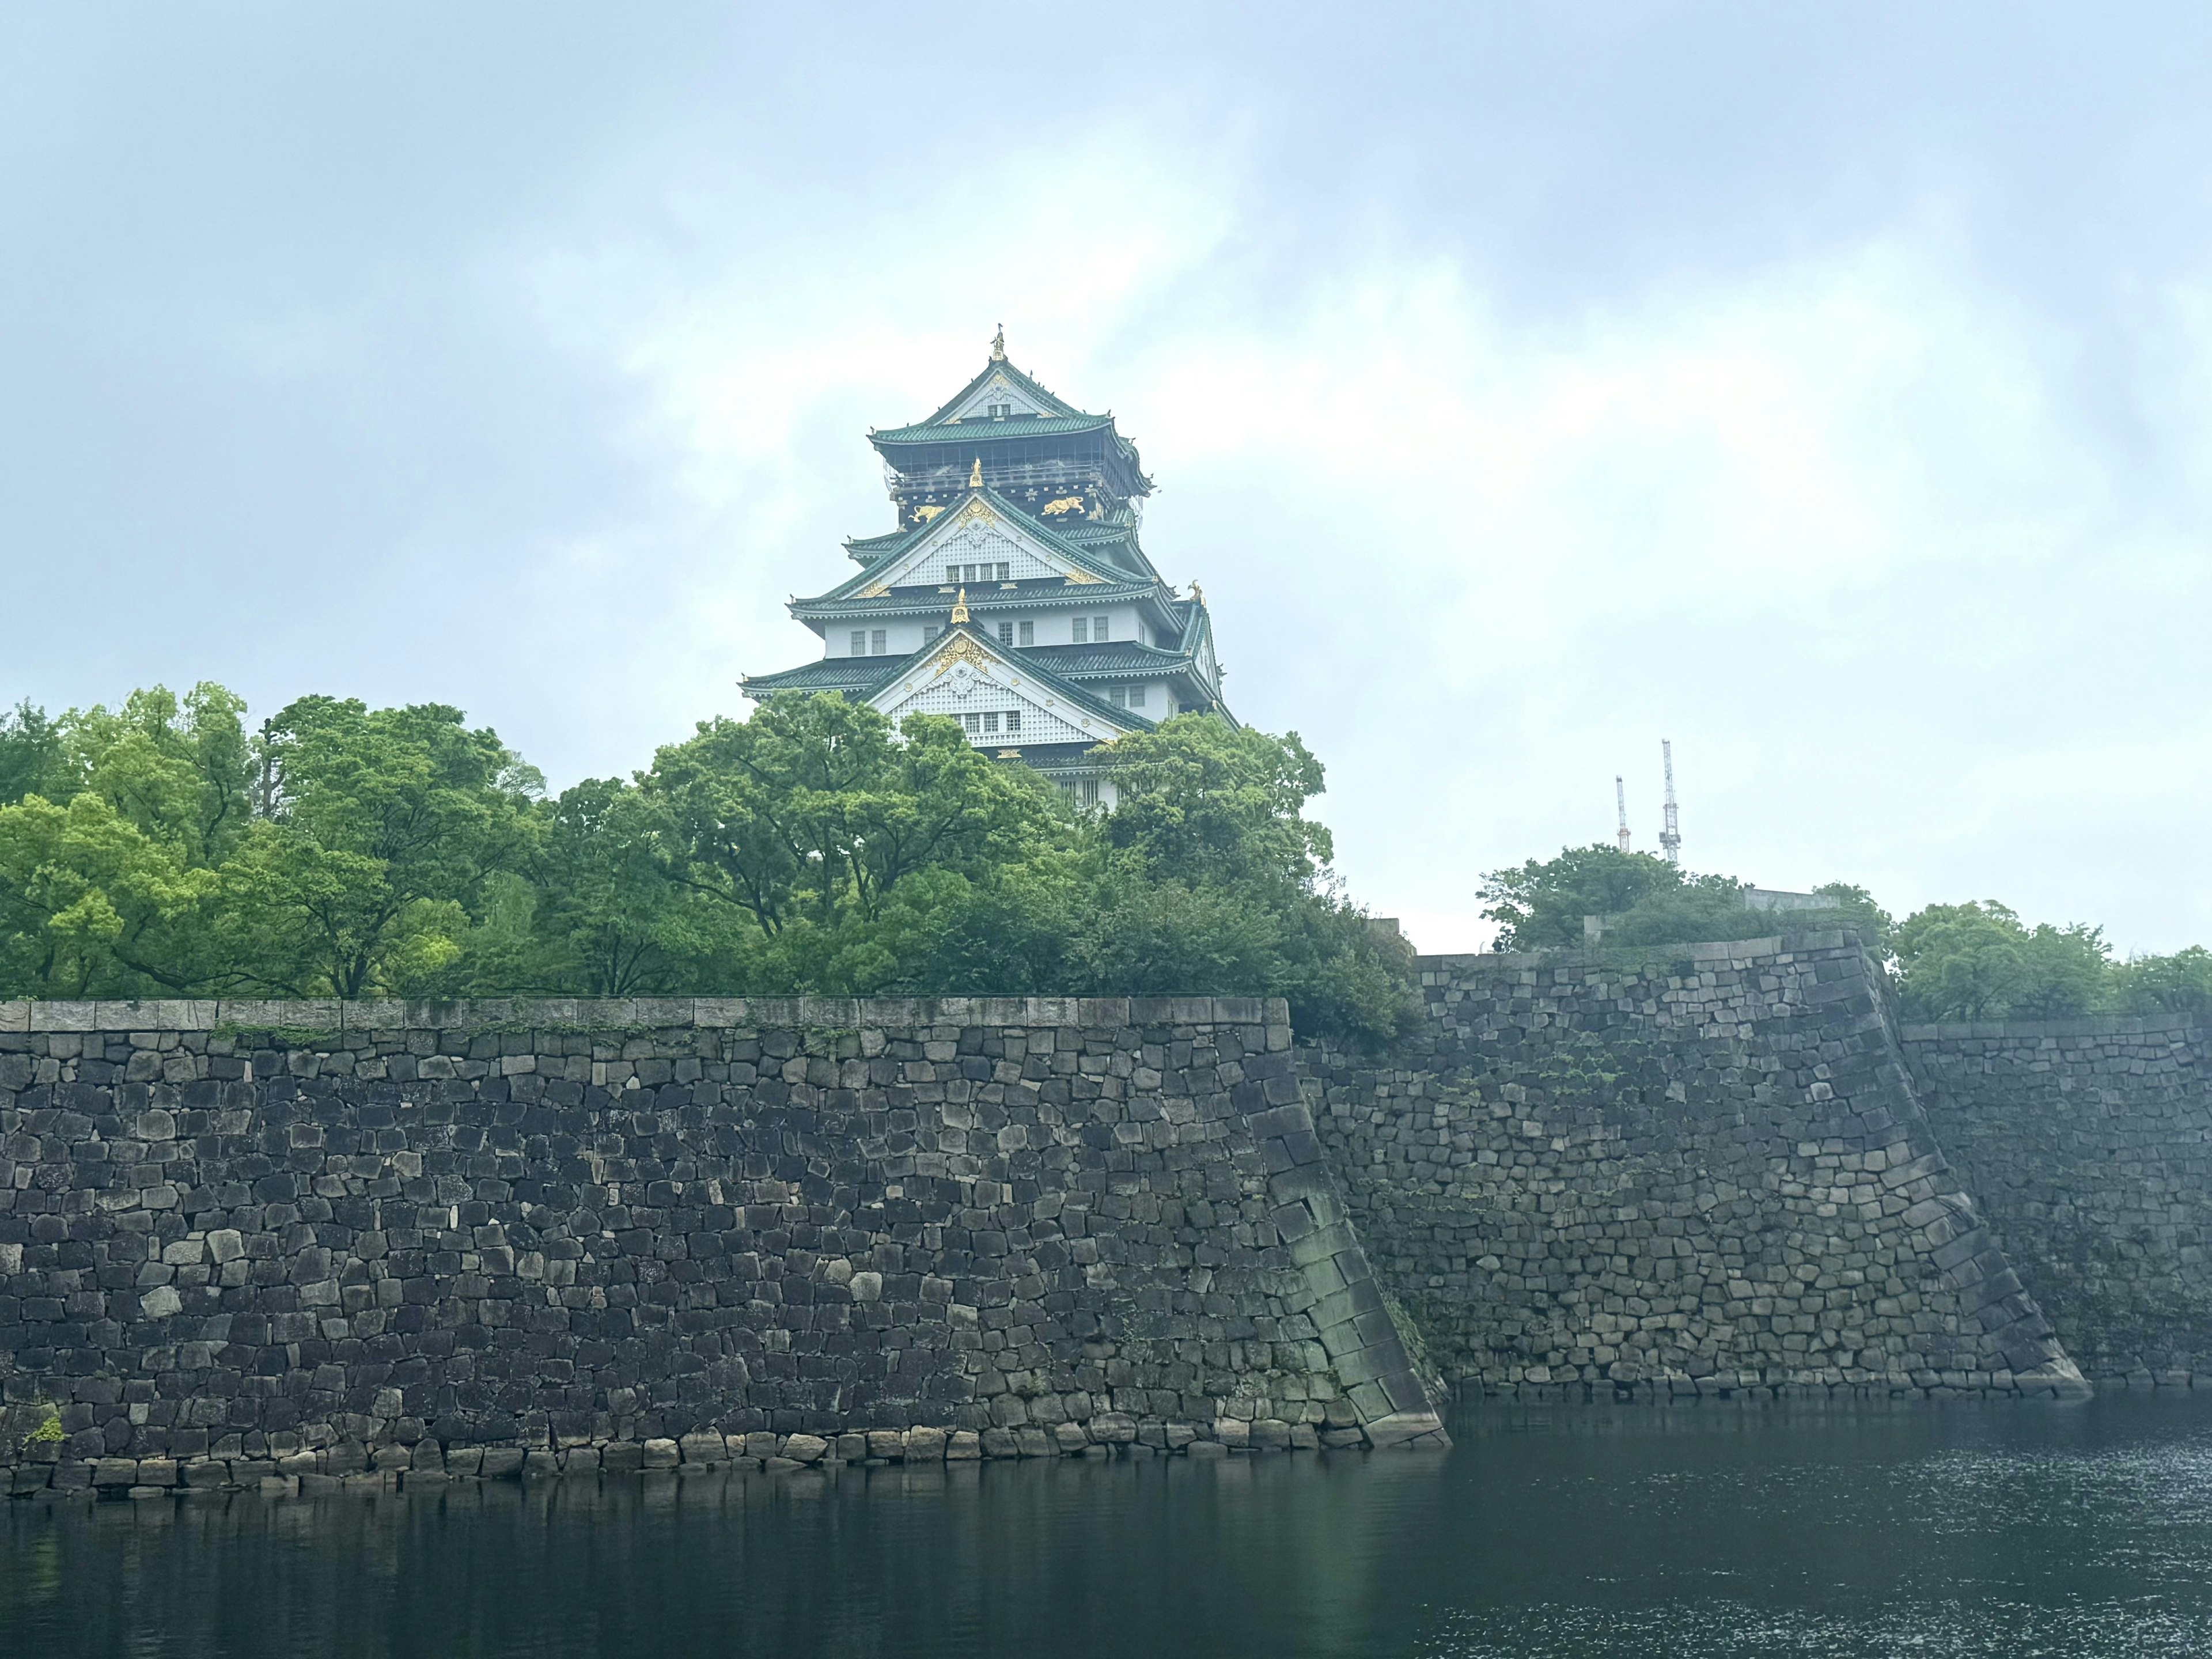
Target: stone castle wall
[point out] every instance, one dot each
(1703, 1169)
(292, 1238)
(299, 1240)
(2089, 1144)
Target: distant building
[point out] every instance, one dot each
(1013, 595)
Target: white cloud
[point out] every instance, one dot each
(1825, 524)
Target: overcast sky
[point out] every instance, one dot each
(1825, 389)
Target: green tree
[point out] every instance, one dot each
(1213, 880)
(1645, 901)
(1203, 802)
(1979, 961)
(814, 810)
(30, 755)
(1540, 904)
(373, 863)
(608, 919)
(2177, 984)
(107, 885)
(91, 906)
(349, 851)
(178, 769)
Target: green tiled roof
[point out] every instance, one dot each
(1018, 426)
(925, 597)
(854, 676)
(1001, 366)
(1115, 657)
(869, 549)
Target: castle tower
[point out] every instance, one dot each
(1013, 594)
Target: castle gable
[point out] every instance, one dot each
(1001, 396)
(984, 542)
(968, 678)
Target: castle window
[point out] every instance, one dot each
(860, 642)
(1081, 630)
(1136, 696)
(1003, 573)
(1098, 626)
(1006, 634)
(990, 719)
(973, 722)
(1087, 791)
(1117, 697)
(1029, 633)
(1013, 720)
(952, 574)
(881, 643)
(930, 631)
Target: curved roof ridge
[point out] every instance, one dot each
(1027, 383)
(1082, 558)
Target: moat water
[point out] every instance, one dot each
(1708, 1532)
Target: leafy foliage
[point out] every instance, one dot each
(349, 851)
(1644, 900)
(1979, 961)
(2177, 984)
(1951, 962)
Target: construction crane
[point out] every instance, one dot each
(1670, 828)
(1620, 801)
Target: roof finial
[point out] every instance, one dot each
(1198, 592)
(999, 345)
(975, 474)
(960, 608)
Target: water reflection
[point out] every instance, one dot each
(1704, 1530)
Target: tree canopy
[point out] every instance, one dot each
(164, 849)
(1976, 960)
(1644, 900)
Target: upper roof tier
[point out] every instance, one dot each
(1056, 462)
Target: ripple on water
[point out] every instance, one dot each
(1726, 1630)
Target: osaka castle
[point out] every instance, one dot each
(1013, 595)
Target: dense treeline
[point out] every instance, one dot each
(1973, 961)
(164, 849)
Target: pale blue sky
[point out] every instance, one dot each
(1828, 392)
